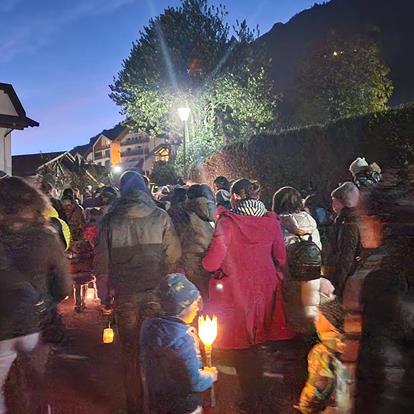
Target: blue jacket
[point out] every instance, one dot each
(172, 364)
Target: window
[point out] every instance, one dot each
(107, 153)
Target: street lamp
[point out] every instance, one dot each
(117, 169)
(184, 113)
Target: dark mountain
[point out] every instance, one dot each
(389, 22)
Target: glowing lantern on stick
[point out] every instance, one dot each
(207, 330)
(108, 335)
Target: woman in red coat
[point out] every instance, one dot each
(249, 252)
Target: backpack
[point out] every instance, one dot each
(304, 259)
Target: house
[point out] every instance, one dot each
(12, 117)
(120, 147)
(62, 168)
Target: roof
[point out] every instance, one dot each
(20, 121)
(27, 165)
(111, 134)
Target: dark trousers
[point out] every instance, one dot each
(249, 369)
(129, 318)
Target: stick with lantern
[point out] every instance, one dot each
(207, 330)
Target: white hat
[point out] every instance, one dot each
(358, 165)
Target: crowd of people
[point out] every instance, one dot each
(269, 275)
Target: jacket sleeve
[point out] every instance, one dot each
(347, 250)
(101, 259)
(219, 245)
(171, 242)
(279, 249)
(60, 281)
(199, 380)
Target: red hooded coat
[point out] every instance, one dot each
(250, 252)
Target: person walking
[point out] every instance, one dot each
(197, 233)
(346, 246)
(137, 244)
(33, 276)
(248, 255)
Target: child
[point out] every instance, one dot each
(170, 355)
(326, 384)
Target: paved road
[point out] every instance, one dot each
(85, 376)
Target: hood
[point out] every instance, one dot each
(299, 221)
(254, 229)
(134, 205)
(164, 331)
(203, 207)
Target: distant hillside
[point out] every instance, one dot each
(390, 23)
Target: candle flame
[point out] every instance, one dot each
(207, 329)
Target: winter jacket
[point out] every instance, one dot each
(172, 365)
(75, 220)
(137, 242)
(33, 277)
(179, 217)
(195, 239)
(299, 224)
(251, 254)
(345, 250)
(327, 377)
(301, 297)
(61, 227)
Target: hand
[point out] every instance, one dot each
(212, 371)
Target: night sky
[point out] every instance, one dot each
(60, 56)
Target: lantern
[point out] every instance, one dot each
(108, 335)
(207, 330)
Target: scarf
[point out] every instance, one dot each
(251, 208)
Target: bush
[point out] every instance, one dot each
(316, 158)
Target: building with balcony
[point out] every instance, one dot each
(129, 150)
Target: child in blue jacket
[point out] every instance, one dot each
(172, 366)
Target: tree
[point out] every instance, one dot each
(163, 173)
(344, 78)
(186, 56)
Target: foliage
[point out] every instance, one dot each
(344, 78)
(186, 56)
(163, 173)
(290, 158)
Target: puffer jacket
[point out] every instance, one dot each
(298, 224)
(137, 242)
(301, 297)
(327, 377)
(195, 239)
(33, 278)
(172, 365)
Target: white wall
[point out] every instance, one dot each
(5, 151)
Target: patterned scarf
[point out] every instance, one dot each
(251, 208)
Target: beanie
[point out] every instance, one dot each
(358, 165)
(132, 181)
(334, 313)
(176, 293)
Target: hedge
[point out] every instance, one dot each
(317, 158)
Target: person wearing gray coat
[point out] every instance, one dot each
(137, 246)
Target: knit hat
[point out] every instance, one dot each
(132, 181)
(334, 313)
(358, 165)
(177, 293)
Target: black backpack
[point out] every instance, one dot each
(304, 259)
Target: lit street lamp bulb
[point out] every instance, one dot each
(116, 169)
(184, 113)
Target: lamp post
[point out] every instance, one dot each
(184, 113)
